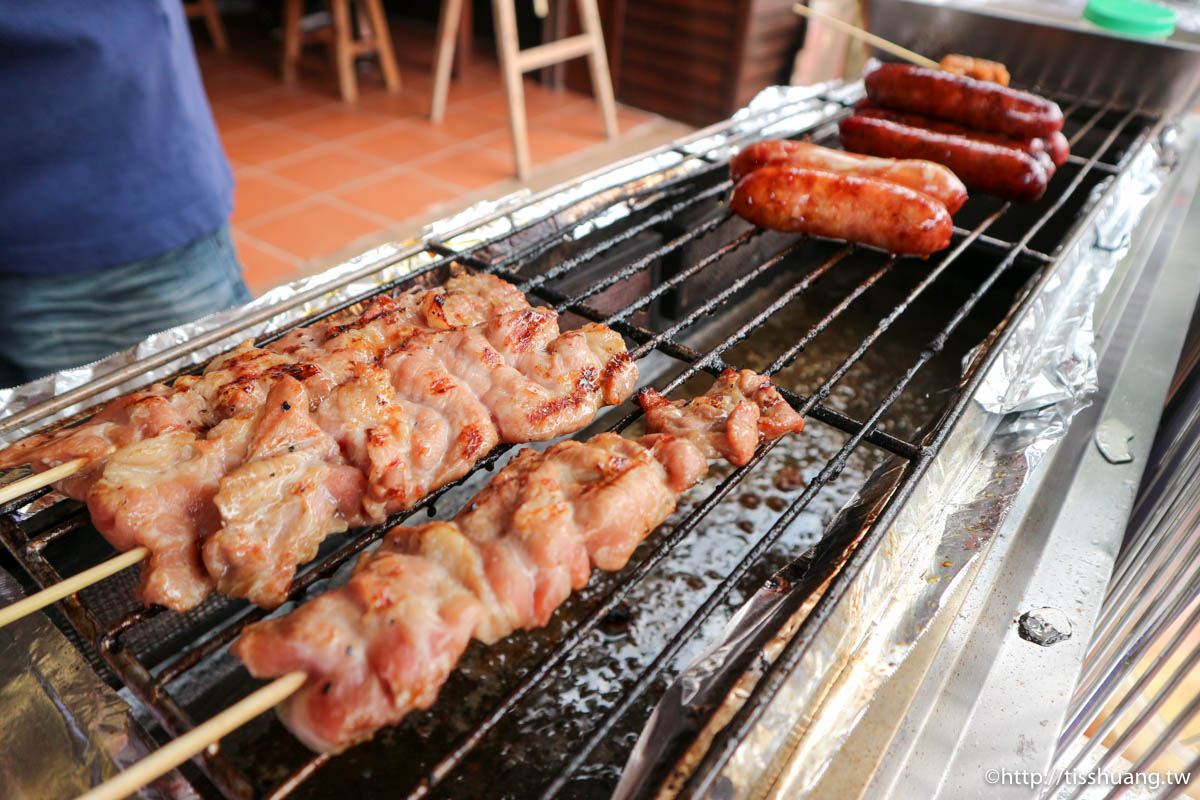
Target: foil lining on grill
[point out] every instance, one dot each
(1043, 376)
(64, 727)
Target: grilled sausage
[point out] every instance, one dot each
(976, 104)
(923, 176)
(1002, 171)
(1058, 148)
(1055, 144)
(865, 210)
(978, 68)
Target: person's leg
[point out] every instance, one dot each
(50, 323)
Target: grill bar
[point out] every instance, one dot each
(647, 205)
(743, 720)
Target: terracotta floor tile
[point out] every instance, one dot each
(328, 169)
(315, 228)
(337, 122)
(282, 102)
(255, 195)
(538, 101)
(264, 142)
(472, 168)
(588, 123)
(475, 85)
(404, 104)
(227, 86)
(230, 120)
(545, 144)
(401, 142)
(262, 268)
(400, 196)
(464, 123)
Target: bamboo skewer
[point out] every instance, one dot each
(869, 38)
(40, 480)
(202, 736)
(71, 585)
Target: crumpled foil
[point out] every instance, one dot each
(64, 728)
(1042, 377)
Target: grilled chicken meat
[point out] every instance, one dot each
(384, 643)
(335, 425)
(741, 410)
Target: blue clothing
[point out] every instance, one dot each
(49, 323)
(108, 151)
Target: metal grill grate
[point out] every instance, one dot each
(677, 276)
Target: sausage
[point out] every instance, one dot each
(979, 68)
(923, 176)
(1002, 171)
(1058, 148)
(858, 209)
(1055, 144)
(956, 98)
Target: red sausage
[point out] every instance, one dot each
(1058, 148)
(923, 176)
(865, 210)
(977, 104)
(1055, 144)
(1002, 171)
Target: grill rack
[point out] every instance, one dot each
(659, 203)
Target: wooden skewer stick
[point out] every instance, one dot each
(869, 38)
(209, 733)
(38, 480)
(71, 585)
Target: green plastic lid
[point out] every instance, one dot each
(1132, 17)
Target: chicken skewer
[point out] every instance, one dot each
(394, 419)
(362, 656)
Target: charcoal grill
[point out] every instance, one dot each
(660, 259)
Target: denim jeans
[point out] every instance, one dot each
(54, 322)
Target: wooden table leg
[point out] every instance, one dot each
(508, 45)
(448, 25)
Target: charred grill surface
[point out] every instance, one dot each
(869, 348)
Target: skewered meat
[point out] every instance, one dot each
(383, 644)
(921, 176)
(277, 507)
(237, 382)
(978, 68)
(865, 210)
(1001, 171)
(977, 104)
(741, 410)
(336, 426)
(126, 420)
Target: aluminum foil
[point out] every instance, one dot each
(1044, 376)
(65, 729)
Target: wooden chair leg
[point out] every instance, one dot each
(589, 18)
(510, 64)
(444, 59)
(216, 29)
(343, 49)
(383, 45)
(291, 39)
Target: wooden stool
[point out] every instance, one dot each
(208, 10)
(515, 62)
(373, 38)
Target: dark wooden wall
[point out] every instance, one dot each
(695, 60)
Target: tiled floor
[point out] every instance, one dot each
(317, 177)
